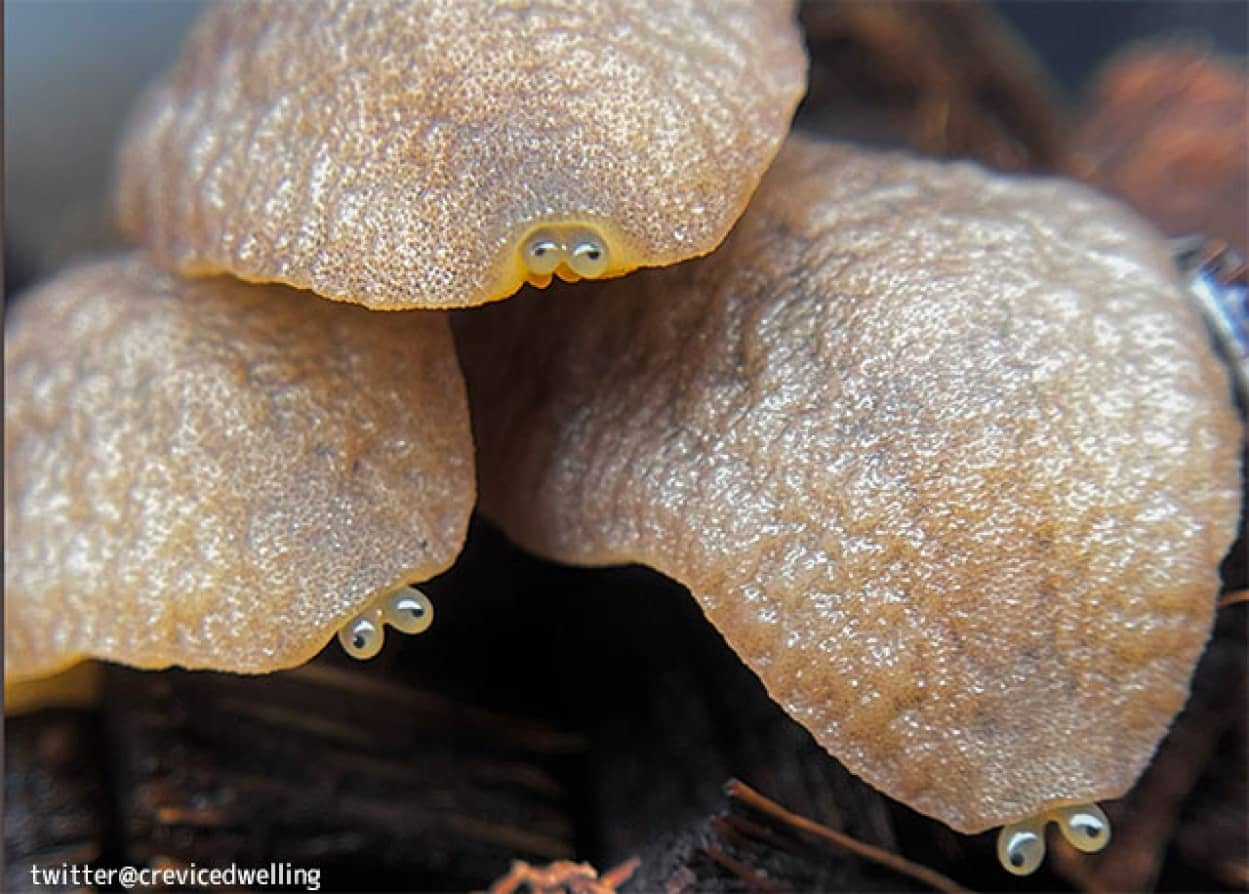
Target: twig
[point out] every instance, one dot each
(1232, 598)
(744, 793)
(742, 871)
(614, 878)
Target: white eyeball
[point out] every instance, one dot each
(408, 611)
(588, 256)
(543, 253)
(1021, 846)
(1084, 826)
(361, 638)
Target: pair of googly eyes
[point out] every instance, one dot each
(408, 611)
(583, 251)
(1021, 846)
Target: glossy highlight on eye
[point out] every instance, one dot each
(1021, 845)
(569, 252)
(225, 371)
(362, 638)
(543, 253)
(588, 256)
(407, 610)
(453, 190)
(981, 549)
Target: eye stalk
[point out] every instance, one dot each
(588, 257)
(407, 610)
(1084, 826)
(543, 253)
(571, 252)
(1021, 845)
(362, 638)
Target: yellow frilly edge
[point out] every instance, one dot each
(77, 687)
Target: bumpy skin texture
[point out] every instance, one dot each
(218, 475)
(396, 153)
(945, 457)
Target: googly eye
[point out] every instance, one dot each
(1021, 846)
(408, 611)
(588, 256)
(543, 253)
(1085, 827)
(361, 638)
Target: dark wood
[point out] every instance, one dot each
(739, 849)
(56, 803)
(378, 782)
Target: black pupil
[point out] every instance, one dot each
(592, 254)
(416, 611)
(1092, 831)
(539, 250)
(1016, 859)
(358, 640)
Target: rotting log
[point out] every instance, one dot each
(324, 764)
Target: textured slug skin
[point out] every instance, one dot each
(945, 456)
(215, 474)
(397, 153)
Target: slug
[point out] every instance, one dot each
(442, 153)
(220, 475)
(945, 455)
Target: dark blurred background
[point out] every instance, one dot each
(1074, 38)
